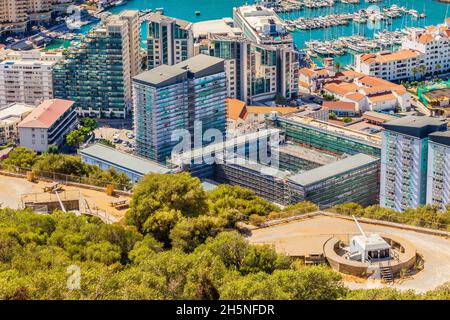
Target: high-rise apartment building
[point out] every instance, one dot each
(189, 95)
(261, 60)
(404, 161)
(438, 186)
(263, 26)
(26, 76)
(169, 41)
(97, 73)
(17, 15)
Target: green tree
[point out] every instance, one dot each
(230, 247)
(103, 252)
(338, 66)
(190, 233)
(347, 119)
(89, 123)
(75, 138)
(245, 201)
(166, 191)
(145, 249)
(332, 116)
(60, 163)
(21, 157)
(310, 283)
(161, 224)
(414, 71)
(53, 149)
(263, 258)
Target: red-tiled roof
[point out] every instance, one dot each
(46, 114)
(339, 105)
(236, 109)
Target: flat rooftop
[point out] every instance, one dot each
(416, 126)
(335, 129)
(224, 26)
(199, 66)
(161, 76)
(442, 137)
(333, 169)
(438, 94)
(225, 146)
(15, 110)
(309, 154)
(123, 160)
(157, 17)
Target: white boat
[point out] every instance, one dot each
(120, 3)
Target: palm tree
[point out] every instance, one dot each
(414, 71)
(423, 70)
(338, 66)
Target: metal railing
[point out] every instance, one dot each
(64, 178)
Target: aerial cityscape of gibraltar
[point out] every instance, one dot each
(225, 150)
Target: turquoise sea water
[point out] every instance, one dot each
(215, 9)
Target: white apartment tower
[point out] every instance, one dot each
(26, 77)
(404, 161)
(438, 180)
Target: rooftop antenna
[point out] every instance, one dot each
(359, 227)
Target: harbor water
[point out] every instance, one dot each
(435, 12)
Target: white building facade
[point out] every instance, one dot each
(26, 77)
(404, 161)
(438, 179)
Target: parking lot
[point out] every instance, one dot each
(123, 139)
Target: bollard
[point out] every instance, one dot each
(30, 176)
(110, 189)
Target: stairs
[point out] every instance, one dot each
(386, 274)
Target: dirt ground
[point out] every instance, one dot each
(308, 236)
(11, 190)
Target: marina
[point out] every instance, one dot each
(364, 16)
(356, 44)
(314, 24)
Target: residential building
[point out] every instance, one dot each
(263, 26)
(26, 76)
(311, 80)
(47, 125)
(342, 108)
(187, 96)
(257, 66)
(16, 15)
(133, 166)
(110, 57)
(438, 174)
(404, 161)
(423, 52)
(10, 117)
(370, 94)
(169, 41)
